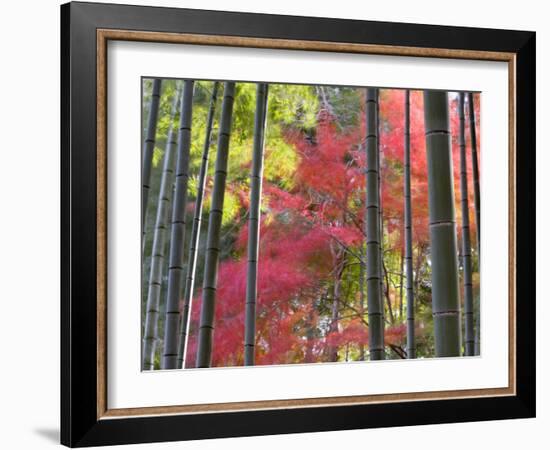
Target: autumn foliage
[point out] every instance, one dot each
(311, 236)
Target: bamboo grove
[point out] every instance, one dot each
(299, 224)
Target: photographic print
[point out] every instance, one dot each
(290, 207)
(301, 224)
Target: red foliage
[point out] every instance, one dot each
(306, 231)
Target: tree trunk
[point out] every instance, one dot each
(195, 233)
(150, 334)
(477, 199)
(206, 328)
(445, 299)
(466, 246)
(411, 346)
(148, 148)
(254, 223)
(340, 264)
(177, 239)
(374, 297)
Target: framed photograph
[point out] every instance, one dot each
(277, 224)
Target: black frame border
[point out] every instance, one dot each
(79, 424)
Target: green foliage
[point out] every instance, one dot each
(169, 89)
(158, 154)
(293, 105)
(243, 113)
(281, 159)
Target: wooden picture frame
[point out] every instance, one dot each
(86, 419)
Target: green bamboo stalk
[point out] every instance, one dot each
(254, 223)
(362, 277)
(148, 148)
(195, 233)
(444, 265)
(206, 328)
(380, 210)
(150, 334)
(373, 271)
(475, 167)
(466, 246)
(477, 200)
(411, 346)
(384, 287)
(175, 268)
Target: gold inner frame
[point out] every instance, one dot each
(103, 36)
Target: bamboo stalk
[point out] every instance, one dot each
(477, 200)
(148, 148)
(195, 233)
(411, 346)
(175, 268)
(445, 298)
(206, 328)
(373, 270)
(383, 291)
(150, 334)
(466, 246)
(254, 223)
(475, 167)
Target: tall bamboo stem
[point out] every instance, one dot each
(373, 271)
(195, 233)
(206, 328)
(466, 246)
(383, 291)
(148, 148)
(444, 265)
(150, 334)
(477, 200)
(411, 346)
(475, 166)
(177, 239)
(254, 223)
